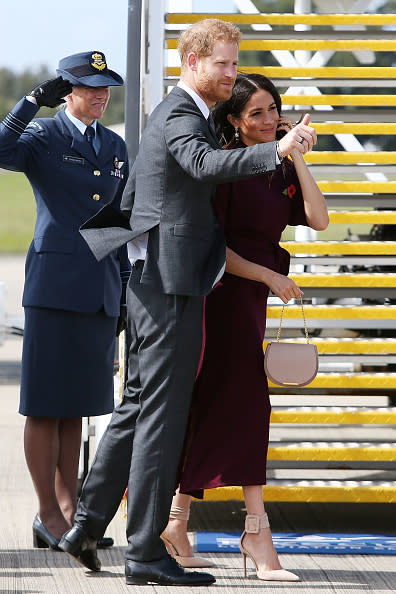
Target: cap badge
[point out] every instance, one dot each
(98, 62)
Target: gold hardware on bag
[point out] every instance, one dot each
(305, 322)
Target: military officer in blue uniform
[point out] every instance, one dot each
(72, 302)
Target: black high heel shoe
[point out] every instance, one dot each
(42, 539)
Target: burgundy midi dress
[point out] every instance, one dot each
(227, 440)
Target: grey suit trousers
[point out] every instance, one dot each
(143, 441)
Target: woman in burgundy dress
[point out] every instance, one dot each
(229, 431)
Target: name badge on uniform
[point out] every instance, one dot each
(73, 159)
(34, 125)
(117, 168)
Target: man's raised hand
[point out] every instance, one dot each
(302, 137)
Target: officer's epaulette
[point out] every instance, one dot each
(35, 125)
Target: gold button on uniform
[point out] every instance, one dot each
(96, 172)
(96, 197)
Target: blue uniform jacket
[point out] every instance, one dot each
(70, 184)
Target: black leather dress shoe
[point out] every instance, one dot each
(42, 539)
(166, 572)
(105, 542)
(82, 547)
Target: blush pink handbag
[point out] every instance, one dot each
(291, 363)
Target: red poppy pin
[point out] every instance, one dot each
(290, 191)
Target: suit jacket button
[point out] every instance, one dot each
(96, 172)
(96, 197)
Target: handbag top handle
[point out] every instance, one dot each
(303, 316)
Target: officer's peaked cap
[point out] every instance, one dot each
(88, 69)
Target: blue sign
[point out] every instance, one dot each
(300, 542)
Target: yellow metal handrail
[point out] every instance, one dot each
(358, 100)
(375, 279)
(357, 187)
(344, 248)
(344, 72)
(335, 312)
(285, 19)
(344, 157)
(347, 45)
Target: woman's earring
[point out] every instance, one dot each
(236, 134)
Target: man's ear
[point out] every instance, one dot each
(192, 61)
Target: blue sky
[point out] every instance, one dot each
(28, 39)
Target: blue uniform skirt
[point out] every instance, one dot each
(67, 363)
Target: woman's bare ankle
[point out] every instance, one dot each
(262, 549)
(176, 533)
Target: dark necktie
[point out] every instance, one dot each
(211, 124)
(90, 134)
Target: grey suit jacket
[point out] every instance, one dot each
(169, 194)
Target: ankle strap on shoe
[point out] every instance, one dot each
(179, 513)
(254, 523)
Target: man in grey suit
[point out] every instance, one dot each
(178, 254)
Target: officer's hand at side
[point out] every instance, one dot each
(122, 320)
(51, 92)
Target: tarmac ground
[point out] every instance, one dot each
(24, 569)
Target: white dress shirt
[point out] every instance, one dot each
(81, 127)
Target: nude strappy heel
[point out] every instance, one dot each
(253, 525)
(181, 513)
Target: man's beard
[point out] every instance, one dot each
(212, 90)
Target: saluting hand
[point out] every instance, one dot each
(50, 93)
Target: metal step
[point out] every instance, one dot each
(332, 316)
(320, 491)
(350, 381)
(347, 280)
(335, 415)
(343, 312)
(341, 248)
(290, 44)
(286, 19)
(341, 75)
(333, 451)
(375, 286)
(362, 216)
